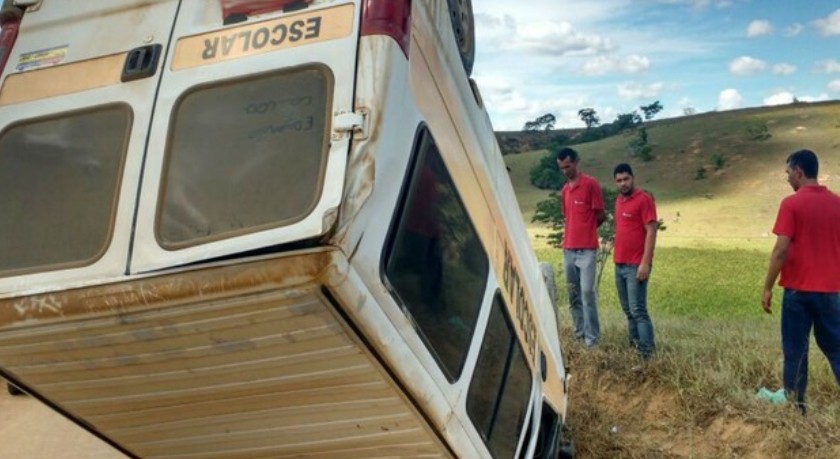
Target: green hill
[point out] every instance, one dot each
(733, 206)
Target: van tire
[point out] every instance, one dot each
(14, 390)
(463, 25)
(550, 284)
(565, 447)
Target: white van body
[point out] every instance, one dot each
(284, 233)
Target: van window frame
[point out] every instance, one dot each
(514, 345)
(424, 136)
(119, 171)
(165, 170)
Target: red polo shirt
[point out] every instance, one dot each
(811, 219)
(632, 213)
(580, 203)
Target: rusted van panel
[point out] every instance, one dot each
(237, 361)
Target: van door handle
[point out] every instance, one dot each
(141, 63)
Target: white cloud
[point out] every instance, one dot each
(558, 39)
(512, 104)
(746, 66)
(828, 66)
(602, 65)
(829, 25)
(544, 37)
(784, 69)
(636, 91)
(582, 13)
(759, 27)
(779, 98)
(700, 4)
(834, 86)
(793, 30)
(729, 99)
(821, 98)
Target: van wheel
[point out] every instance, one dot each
(565, 444)
(14, 390)
(463, 24)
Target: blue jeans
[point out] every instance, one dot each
(580, 267)
(800, 312)
(632, 295)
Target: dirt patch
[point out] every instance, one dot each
(616, 412)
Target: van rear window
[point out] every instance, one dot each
(497, 400)
(59, 180)
(244, 156)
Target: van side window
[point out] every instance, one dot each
(59, 181)
(435, 264)
(245, 156)
(498, 397)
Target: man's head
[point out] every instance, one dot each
(623, 175)
(802, 168)
(567, 161)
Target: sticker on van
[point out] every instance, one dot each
(263, 37)
(42, 58)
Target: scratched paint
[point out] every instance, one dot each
(120, 300)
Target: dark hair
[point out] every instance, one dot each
(569, 153)
(623, 168)
(805, 160)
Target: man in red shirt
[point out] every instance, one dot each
(807, 253)
(582, 203)
(635, 239)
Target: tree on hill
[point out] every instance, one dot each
(545, 122)
(589, 117)
(544, 174)
(651, 110)
(625, 121)
(639, 146)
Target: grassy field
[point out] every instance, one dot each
(716, 348)
(716, 345)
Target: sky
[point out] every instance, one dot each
(558, 56)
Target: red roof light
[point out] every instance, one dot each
(388, 17)
(253, 7)
(10, 23)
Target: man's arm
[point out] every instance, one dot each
(643, 272)
(598, 202)
(600, 216)
(777, 259)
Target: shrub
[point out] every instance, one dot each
(758, 131)
(639, 146)
(548, 211)
(700, 173)
(718, 160)
(545, 175)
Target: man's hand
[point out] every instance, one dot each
(777, 259)
(767, 300)
(643, 272)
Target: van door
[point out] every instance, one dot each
(75, 107)
(244, 151)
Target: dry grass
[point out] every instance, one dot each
(715, 350)
(696, 399)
